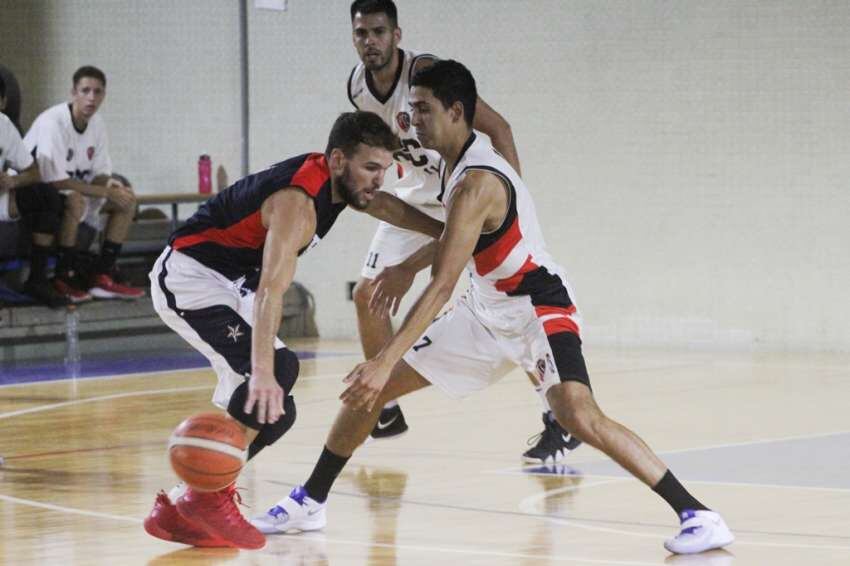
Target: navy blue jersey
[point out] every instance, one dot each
(227, 233)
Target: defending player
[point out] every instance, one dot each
(519, 311)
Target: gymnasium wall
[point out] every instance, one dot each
(689, 159)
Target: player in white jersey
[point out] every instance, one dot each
(23, 196)
(518, 312)
(381, 84)
(70, 144)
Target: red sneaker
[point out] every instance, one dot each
(104, 287)
(67, 290)
(216, 512)
(166, 523)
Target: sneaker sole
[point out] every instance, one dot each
(156, 531)
(103, 294)
(204, 525)
(370, 438)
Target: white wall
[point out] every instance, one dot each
(689, 159)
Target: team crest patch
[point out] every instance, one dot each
(403, 120)
(90, 152)
(70, 155)
(551, 363)
(541, 368)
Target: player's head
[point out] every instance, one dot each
(375, 31)
(88, 90)
(359, 151)
(442, 98)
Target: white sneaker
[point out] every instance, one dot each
(295, 512)
(700, 531)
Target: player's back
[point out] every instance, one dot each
(227, 232)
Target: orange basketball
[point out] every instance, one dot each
(207, 451)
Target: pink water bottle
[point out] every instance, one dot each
(204, 174)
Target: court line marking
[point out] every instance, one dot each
(528, 506)
(140, 393)
(494, 553)
(520, 472)
(447, 550)
(70, 510)
(132, 375)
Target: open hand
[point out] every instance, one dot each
(365, 383)
(388, 288)
(267, 395)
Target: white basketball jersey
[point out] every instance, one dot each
(419, 184)
(63, 152)
(13, 153)
(510, 262)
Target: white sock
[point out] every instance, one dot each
(177, 491)
(391, 404)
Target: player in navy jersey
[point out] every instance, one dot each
(519, 311)
(220, 285)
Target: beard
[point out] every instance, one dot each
(382, 61)
(348, 192)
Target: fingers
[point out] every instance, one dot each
(249, 403)
(352, 376)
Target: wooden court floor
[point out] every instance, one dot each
(765, 439)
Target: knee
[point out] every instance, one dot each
(286, 369)
(576, 411)
(362, 293)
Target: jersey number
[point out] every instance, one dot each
(425, 342)
(372, 260)
(407, 156)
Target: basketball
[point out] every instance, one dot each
(207, 451)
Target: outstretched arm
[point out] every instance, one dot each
(290, 219)
(391, 284)
(475, 200)
(392, 209)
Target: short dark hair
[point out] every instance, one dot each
(450, 82)
(376, 7)
(353, 128)
(88, 71)
(2, 87)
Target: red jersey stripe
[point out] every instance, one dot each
(492, 257)
(544, 310)
(312, 174)
(510, 283)
(247, 233)
(560, 324)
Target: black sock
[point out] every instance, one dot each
(324, 474)
(65, 260)
(109, 252)
(676, 495)
(38, 263)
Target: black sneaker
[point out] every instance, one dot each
(391, 423)
(44, 293)
(551, 445)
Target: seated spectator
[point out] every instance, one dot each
(22, 195)
(69, 142)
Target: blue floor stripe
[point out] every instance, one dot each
(33, 372)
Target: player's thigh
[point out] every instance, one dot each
(459, 354)
(550, 358)
(390, 246)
